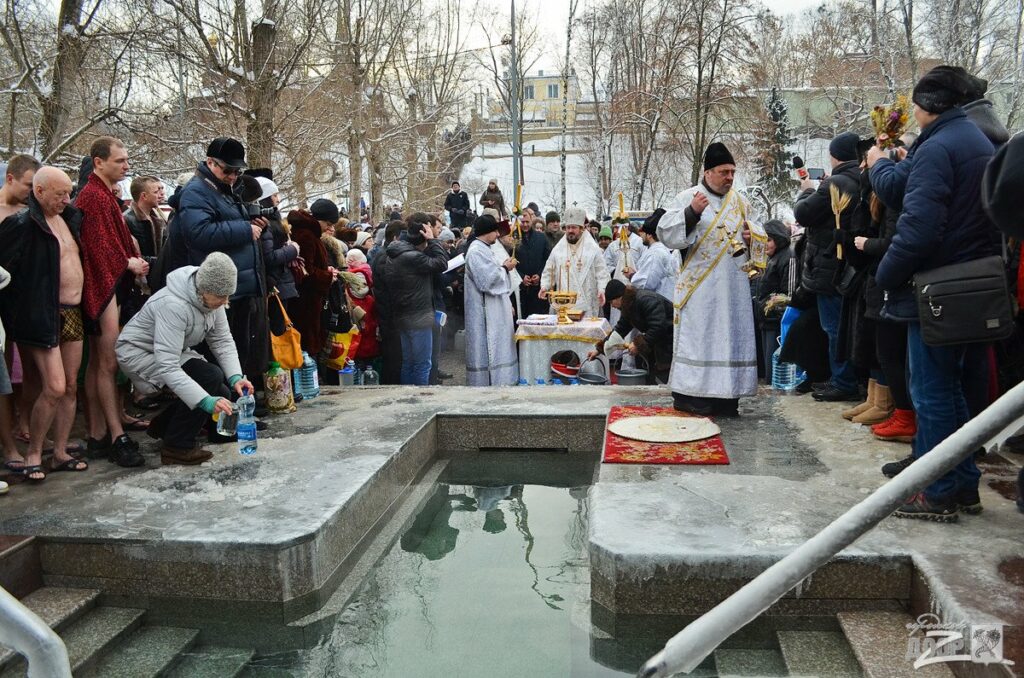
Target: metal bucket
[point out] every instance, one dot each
(591, 377)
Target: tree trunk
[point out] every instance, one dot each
(355, 171)
(375, 159)
(67, 62)
(262, 96)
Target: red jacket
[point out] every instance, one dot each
(106, 245)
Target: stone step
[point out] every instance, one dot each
(211, 661)
(58, 607)
(148, 653)
(89, 637)
(818, 654)
(21, 571)
(880, 642)
(761, 663)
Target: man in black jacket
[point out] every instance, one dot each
(409, 269)
(532, 255)
(457, 204)
(390, 341)
(144, 219)
(821, 264)
(650, 314)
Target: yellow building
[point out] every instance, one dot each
(542, 101)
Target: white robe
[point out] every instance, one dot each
(587, 274)
(714, 353)
(657, 270)
(491, 358)
(500, 255)
(636, 254)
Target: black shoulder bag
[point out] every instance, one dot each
(964, 303)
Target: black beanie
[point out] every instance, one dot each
(844, 147)
(650, 226)
(942, 88)
(717, 154)
(484, 225)
(613, 290)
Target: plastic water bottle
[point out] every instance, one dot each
(783, 374)
(370, 377)
(310, 377)
(246, 430)
(574, 382)
(357, 374)
(523, 382)
(541, 382)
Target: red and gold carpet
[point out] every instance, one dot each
(619, 450)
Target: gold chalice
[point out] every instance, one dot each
(562, 302)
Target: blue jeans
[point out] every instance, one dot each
(936, 388)
(417, 347)
(830, 308)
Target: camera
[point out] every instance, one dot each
(254, 211)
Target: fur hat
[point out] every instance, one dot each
(574, 216)
(323, 209)
(217, 275)
(485, 224)
(717, 154)
(650, 226)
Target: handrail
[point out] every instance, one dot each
(25, 633)
(688, 648)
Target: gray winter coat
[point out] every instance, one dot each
(159, 339)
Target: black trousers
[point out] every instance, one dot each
(891, 348)
(181, 424)
(391, 355)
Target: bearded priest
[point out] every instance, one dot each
(576, 264)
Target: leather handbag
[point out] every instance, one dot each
(287, 346)
(964, 303)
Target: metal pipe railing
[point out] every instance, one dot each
(688, 648)
(25, 633)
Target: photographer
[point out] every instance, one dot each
(211, 218)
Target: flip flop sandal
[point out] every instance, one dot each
(72, 465)
(14, 466)
(32, 470)
(136, 425)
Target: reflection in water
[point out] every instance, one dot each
(461, 594)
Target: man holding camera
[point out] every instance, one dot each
(211, 218)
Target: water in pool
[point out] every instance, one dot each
(489, 580)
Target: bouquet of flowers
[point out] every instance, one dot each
(890, 122)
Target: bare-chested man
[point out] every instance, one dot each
(109, 261)
(41, 310)
(13, 197)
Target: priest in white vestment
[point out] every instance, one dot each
(714, 360)
(576, 264)
(659, 265)
(491, 358)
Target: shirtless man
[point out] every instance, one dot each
(13, 197)
(48, 334)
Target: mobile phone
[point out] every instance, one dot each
(815, 173)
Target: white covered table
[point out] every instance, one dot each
(537, 343)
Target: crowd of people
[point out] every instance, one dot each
(153, 298)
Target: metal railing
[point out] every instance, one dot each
(25, 633)
(688, 648)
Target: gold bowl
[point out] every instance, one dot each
(562, 302)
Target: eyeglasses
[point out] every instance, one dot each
(228, 171)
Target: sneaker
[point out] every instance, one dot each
(894, 468)
(968, 501)
(921, 507)
(125, 452)
(835, 395)
(97, 448)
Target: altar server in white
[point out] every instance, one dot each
(491, 358)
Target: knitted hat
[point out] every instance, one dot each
(717, 154)
(268, 187)
(614, 289)
(942, 88)
(844, 147)
(605, 232)
(485, 224)
(217, 275)
(323, 209)
(446, 235)
(574, 216)
(362, 237)
(355, 257)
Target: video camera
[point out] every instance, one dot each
(254, 211)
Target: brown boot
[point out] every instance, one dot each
(881, 410)
(186, 456)
(864, 406)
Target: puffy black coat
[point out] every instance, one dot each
(276, 257)
(409, 275)
(813, 210)
(775, 279)
(457, 205)
(942, 221)
(30, 305)
(651, 315)
(211, 218)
